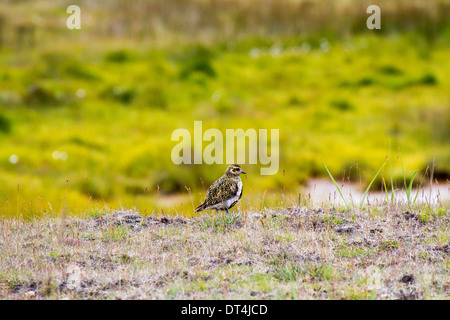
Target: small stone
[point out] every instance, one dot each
(408, 279)
(348, 228)
(30, 294)
(410, 216)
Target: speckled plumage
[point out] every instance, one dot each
(225, 192)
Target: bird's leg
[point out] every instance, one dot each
(225, 215)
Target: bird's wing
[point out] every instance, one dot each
(221, 190)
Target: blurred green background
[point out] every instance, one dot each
(86, 115)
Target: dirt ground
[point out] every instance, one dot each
(384, 252)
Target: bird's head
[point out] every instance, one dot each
(234, 170)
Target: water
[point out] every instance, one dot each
(323, 190)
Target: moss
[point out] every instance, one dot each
(118, 131)
(5, 124)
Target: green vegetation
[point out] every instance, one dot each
(89, 114)
(221, 222)
(336, 185)
(409, 187)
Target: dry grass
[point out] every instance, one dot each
(207, 20)
(289, 253)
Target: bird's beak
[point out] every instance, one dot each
(243, 172)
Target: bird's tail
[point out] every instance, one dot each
(200, 207)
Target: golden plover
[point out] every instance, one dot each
(225, 192)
